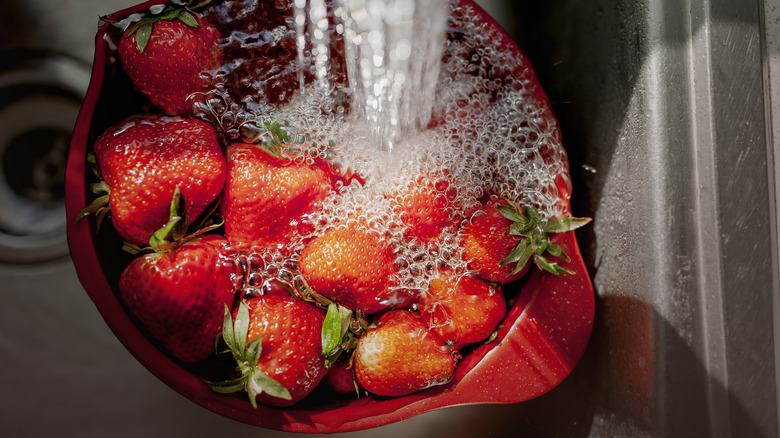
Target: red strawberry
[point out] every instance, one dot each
(502, 238)
(400, 355)
(179, 295)
(276, 342)
(486, 242)
(340, 378)
(352, 266)
(424, 206)
(145, 160)
(266, 197)
(170, 56)
(462, 310)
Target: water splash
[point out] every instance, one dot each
(393, 52)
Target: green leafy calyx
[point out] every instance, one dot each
(336, 334)
(143, 28)
(535, 243)
(100, 206)
(247, 354)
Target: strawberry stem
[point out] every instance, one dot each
(176, 226)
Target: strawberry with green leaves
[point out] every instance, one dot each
(462, 310)
(502, 238)
(340, 333)
(179, 291)
(170, 56)
(353, 266)
(276, 342)
(267, 198)
(399, 355)
(144, 161)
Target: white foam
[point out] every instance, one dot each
(493, 136)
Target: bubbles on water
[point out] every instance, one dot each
(491, 132)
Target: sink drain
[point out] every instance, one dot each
(40, 97)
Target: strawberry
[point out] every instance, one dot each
(424, 207)
(486, 242)
(170, 56)
(351, 265)
(276, 342)
(462, 310)
(400, 355)
(340, 378)
(502, 238)
(266, 197)
(179, 294)
(145, 160)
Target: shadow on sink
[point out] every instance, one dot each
(662, 109)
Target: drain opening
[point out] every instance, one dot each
(34, 164)
(38, 108)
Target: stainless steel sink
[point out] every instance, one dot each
(668, 116)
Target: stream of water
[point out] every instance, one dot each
(392, 53)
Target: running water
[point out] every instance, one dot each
(392, 51)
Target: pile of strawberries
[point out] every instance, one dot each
(196, 209)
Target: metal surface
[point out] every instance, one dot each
(666, 112)
(40, 96)
(65, 373)
(663, 109)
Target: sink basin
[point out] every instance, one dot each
(667, 114)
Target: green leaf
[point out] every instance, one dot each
(259, 383)
(278, 132)
(335, 326)
(143, 34)
(228, 334)
(169, 14)
(533, 214)
(518, 229)
(519, 255)
(190, 5)
(545, 264)
(228, 386)
(132, 29)
(345, 316)
(241, 327)
(557, 251)
(336, 336)
(541, 244)
(512, 214)
(131, 249)
(491, 338)
(253, 351)
(550, 267)
(101, 187)
(93, 207)
(188, 19)
(566, 224)
(331, 330)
